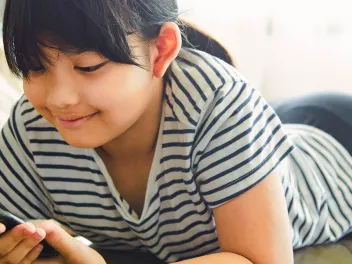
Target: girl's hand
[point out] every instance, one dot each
(21, 244)
(53, 260)
(71, 250)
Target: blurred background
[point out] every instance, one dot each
(283, 47)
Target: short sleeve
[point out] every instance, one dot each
(240, 141)
(21, 190)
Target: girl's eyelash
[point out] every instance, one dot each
(84, 69)
(38, 69)
(92, 68)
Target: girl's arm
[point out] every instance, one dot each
(254, 225)
(223, 258)
(21, 188)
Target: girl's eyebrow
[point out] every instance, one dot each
(73, 53)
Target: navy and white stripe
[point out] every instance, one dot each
(318, 185)
(217, 139)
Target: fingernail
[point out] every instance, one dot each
(39, 248)
(2, 228)
(30, 229)
(40, 233)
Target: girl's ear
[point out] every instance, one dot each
(167, 47)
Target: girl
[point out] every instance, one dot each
(138, 144)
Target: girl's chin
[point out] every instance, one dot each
(83, 141)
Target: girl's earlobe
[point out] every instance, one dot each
(168, 45)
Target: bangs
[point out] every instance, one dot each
(65, 25)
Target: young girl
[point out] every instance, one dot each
(138, 144)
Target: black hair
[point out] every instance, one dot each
(78, 26)
(196, 38)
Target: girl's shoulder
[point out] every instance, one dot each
(28, 120)
(199, 64)
(34, 134)
(198, 82)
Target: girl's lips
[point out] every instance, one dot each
(74, 122)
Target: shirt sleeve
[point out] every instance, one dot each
(240, 141)
(21, 189)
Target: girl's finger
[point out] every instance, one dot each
(32, 255)
(2, 228)
(58, 238)
(19, 253)
(13, 237)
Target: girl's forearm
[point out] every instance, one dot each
(223, 258)
(111, 257)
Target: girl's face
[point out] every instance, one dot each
(89, 99)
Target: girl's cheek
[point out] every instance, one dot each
(35, 93)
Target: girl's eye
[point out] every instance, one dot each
(91, 68)
(36, 71)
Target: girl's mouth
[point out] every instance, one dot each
(73, 121)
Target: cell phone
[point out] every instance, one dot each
(10, 221)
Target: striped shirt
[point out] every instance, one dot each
(317, 178)
(218, 138)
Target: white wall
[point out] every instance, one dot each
(283, 47)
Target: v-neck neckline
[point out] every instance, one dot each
(123, 207)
